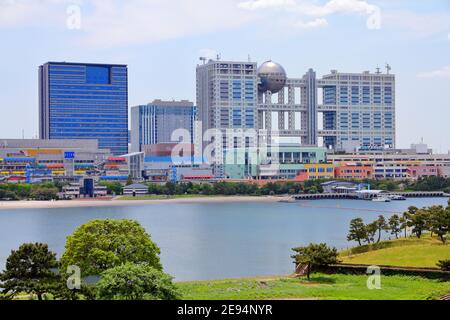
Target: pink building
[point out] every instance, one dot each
(416, 172)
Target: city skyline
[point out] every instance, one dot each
(162, 64)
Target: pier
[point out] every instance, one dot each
(354, 196)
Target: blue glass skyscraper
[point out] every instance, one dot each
(84, 101)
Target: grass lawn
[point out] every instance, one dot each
(411, 252)
(323, 287)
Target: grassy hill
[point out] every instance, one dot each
(321, 287)
(410, 252)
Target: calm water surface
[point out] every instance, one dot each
(211, 241)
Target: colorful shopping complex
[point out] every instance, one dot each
(71, 161)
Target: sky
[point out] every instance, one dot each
(161, 42)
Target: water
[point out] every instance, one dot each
(211, 241)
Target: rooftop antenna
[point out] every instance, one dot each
(388, 68)
(203, 59)
(218, 57)
(378, 70)
(249, 58)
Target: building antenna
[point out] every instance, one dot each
(249, 58)
(378, 70)
(388, 68)
(203, 59)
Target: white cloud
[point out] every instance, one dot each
(440, 73)
(317, 23)
(32, 12)
(421, 24)
(266, 4)
(106, 23)
(116, 22)
(309, 8)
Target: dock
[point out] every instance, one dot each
(354, 196)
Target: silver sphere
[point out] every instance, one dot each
(272, 76)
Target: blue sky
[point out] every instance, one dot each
(161, 41)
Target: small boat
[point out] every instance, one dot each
(396, 197)
(381, 199)
(288, 200)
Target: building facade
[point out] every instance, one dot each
(46, 160)
(358, 110)
(254, 107)
(84, 101)
(157, 122)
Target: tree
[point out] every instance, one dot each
(444, 265)
(129, 180)
(103, 244)
(395, 225)
(439, 221)
(357, 231)
(418, 221)
(371, 231)
(404, 223)
(29, 269)
(315, 255)
(44, 194)
(382, 225)
(136, 282)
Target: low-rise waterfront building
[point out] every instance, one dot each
(135, 190)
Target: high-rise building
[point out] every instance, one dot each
(84, 101)
(358, 109)
(227, 95)
(158, 121)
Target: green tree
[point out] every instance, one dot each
(382, 226)
(29, 269)
(439, 221)
(444, 265)
(129, 181)
(136, 282)
(44, 194)
(371, 231)
(357, 231)
(395, 225)
(315, 255)
(113, 187)
(418, 222)
(103, 244)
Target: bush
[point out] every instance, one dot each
(136, 282)
(444, 265)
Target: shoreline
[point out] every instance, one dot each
(11, 205)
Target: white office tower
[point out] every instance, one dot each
(227, 102)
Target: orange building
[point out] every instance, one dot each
(355, 171)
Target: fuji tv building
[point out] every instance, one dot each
(339, 112)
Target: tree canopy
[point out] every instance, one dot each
(315, 255)
(30, 269)
(103, 244)
(135, 282)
